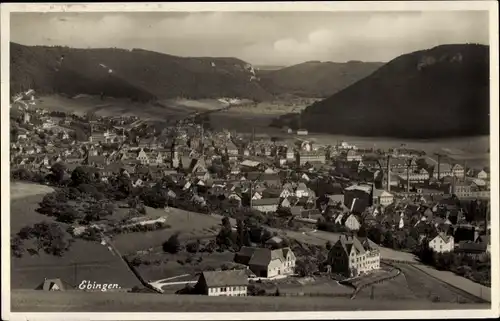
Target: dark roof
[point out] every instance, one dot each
(225, 278)
(266, 201)
(47, 285)
(263, 256)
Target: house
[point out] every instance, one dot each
(142, 157)
(53, 285)
(382, 197)
(311, 157)
(222, 283)
(352, 223)
(302, 132)
(267, 263)
(462, 189)
(458, 171)
(443, 169)
(266, 205)
(471, 249)
(482, 175)
(353, 156)
(302, 190)
(442, 243)
(350, 257)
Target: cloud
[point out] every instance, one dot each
(258, 37)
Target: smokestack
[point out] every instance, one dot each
(439, 167)
(388, 173)
(408, 179)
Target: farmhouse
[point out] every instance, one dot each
(222, 283)
(265, 262)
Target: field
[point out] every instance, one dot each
(19, 190)
(73, 301)
(85, 260)
(427, 287)
(170, 266)
(108, 107)
(458, 281)
(190, 225)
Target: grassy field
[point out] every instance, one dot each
(458, 281)
(190, 225)
(21, 189)
(170, 266)
(85, 260)
(32, 301)
(424, 286)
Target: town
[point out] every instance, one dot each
(269, 194)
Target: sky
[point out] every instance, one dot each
(260, 38)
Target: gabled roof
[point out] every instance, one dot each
(225, 278)
(266, 201)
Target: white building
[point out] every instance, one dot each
(223, 283)
(442, 243)
(352, 223)
(267, 263)
(352, 256)
(482, 175)
(382, 197)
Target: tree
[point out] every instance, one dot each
(362, 231)
(80, 176)
(50, 238)
(305, 268)
(57, 172)
(328, 245)
(16, 246)
(172, 245)
(193, 247)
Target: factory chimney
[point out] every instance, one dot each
(388, 173)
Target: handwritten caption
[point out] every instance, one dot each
(94, 286)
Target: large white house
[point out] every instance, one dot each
(442, 243)
(352, 256)
(223, 283)
(267, 263)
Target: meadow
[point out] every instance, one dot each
(189, 225)
(84, 261)
(74, 301)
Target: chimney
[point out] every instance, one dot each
(388, 173)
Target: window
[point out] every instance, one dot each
(223, 289)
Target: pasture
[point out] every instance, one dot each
(84, 261)
(170, 265)
(76, 301)
(189, 225)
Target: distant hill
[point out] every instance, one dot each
(137, 74)
(315, 78)
(443, 91)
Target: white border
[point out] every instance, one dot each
(491, 6)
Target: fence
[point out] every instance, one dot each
(316, 294)
(140, 278)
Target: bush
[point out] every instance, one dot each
(193, 247)
(136, 261)
(172, 245)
